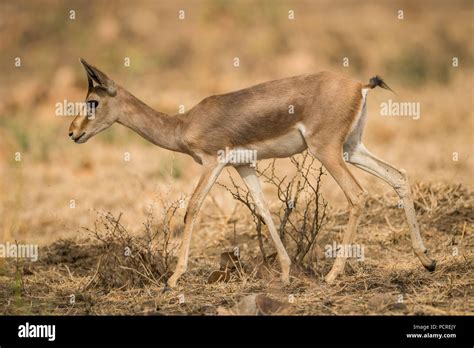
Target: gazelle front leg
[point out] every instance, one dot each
(208, 178)
(398, 179)
(249, 175)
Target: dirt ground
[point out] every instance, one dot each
(71, 277)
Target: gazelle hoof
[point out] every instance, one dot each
(330, 277)
(285, 279)
(171, 283)
(428, 263)
(432, 266)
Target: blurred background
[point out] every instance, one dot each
(175, 61)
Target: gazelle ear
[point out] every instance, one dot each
(94, 74)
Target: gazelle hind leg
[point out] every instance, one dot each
(332, 160)
(398, 179)
(249, 175)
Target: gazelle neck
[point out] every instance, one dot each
(160, 129)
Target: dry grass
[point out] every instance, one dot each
(34, 193)
(389, 281)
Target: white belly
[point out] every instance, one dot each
(283, 146)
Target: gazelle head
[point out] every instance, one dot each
(102, 106)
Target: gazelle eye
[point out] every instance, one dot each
(91, 107)
(92, 104)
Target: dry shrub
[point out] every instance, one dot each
(135, 261)
(298, 228)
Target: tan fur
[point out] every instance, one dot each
(329, 115)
